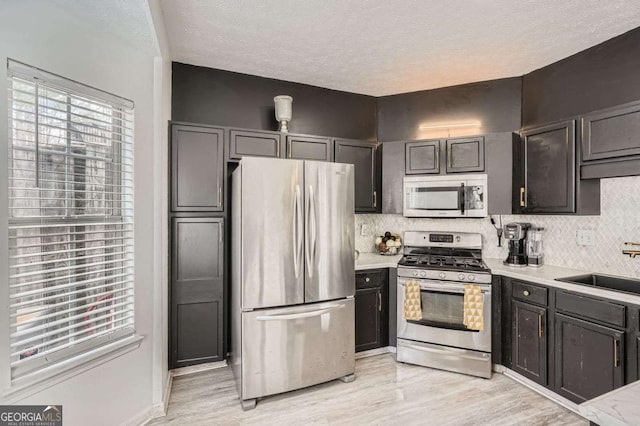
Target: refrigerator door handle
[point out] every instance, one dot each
(299, 315)
(297, 232)
(311, 231)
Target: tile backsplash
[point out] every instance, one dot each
(619, 221)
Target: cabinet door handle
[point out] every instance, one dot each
(539, 325)
(289, 148)
(616, 360)
(379, 302)
(375, 199)
(526, 292)
(220, 231)
(522, 201)
(278, 148)
(220, 196)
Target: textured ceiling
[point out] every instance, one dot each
(382, 47)
(127, 20)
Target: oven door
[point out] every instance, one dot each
(433, 199)
(442, 316)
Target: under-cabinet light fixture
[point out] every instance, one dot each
(449, 126)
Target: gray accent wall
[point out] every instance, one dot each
(495, 103)
(602, 76)
(223, 98)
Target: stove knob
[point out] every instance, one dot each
(442, 275)
(414, 273)
(461, 276)
(423, 274)
(471, 277)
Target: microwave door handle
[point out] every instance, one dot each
(462, 198)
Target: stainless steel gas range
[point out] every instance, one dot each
(443, 263)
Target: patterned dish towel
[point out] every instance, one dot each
(473, 307)
(412, 301)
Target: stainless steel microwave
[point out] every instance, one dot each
(445, 196)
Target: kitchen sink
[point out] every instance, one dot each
(627, 285)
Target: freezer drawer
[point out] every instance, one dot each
(291, 348)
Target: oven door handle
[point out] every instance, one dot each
(446, 287)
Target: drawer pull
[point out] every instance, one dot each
(526, 293)
(367, 279)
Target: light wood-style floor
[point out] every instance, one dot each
(384, 393)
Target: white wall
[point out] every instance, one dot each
(619, 221)
(42, 34)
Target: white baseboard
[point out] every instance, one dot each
(142, 418)
(160, 409)
(542, 391)
(497, 368)
(376, 351)
(183, 371)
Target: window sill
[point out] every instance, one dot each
(59, 372)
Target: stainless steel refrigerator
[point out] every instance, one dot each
(292, 278)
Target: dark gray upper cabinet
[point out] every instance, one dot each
(589, 358)
(422, 157)
(611, 142)
(529, 341)
(197, 168)
(393, 158)
(315, 148)
(544, 173)
(254, 143)
(465, 155)
(549, 169)
(362, 154)
(197, 295)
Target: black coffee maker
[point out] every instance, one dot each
(516, 234)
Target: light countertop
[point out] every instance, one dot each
(375, 261)
(547, 274)
(618, 407)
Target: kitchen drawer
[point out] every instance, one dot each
(600, 310)
(530, 293)
(370, 278)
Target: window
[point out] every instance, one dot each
(70, 219)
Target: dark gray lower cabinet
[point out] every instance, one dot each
(529, 342)
(589, 358)
(362, 154)
(372, 316)
(196, 316)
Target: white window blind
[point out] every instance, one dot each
(70, 218)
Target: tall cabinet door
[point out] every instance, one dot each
(197, 163)
(550, 169)
(329, 231)
(362, 154)
(272, 232)
(197, 272)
